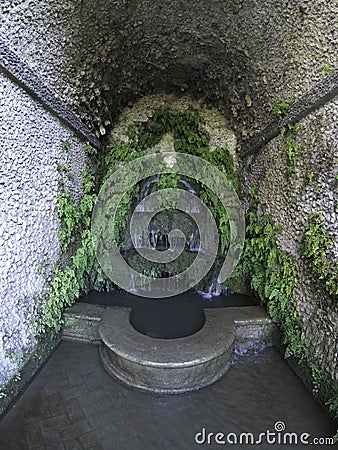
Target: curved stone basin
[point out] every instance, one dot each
(172, 365)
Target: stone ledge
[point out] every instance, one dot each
(82, 323)
(176, 380)
(120, 337)
(170, 365)
(184, 364)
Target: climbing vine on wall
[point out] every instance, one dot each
(269, 272)
(314, 248)
(190, 136)
(290, 146)
(289, 132)
(68, 283)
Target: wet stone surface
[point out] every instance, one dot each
(74, 404)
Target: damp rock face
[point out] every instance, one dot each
(32, 148)
(290, 197)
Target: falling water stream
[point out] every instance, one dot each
(174, 316)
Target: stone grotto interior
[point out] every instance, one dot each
(169, 232)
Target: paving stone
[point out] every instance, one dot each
(74, 429)
(54, 423)
(74, 410)
(90, 441)
(34, 436)
(109, 439)
(73, 444)
(251, 397)
(52, 440)
(91, 381)
(58, 386)
(74, 392)
(47, 405)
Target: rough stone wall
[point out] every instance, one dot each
(238, 55)
(31, 149)
(290, 198)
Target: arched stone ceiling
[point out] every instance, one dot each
(238, 55)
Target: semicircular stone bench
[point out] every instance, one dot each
(174, 365)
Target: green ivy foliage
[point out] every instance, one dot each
(187, 127)
(281, 108)
(315, 247)
(190, 136)
(269, 272)
(68, 283)
(290, 146)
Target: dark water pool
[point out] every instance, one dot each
(167, 318)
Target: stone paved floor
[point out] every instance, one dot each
(74, 404)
